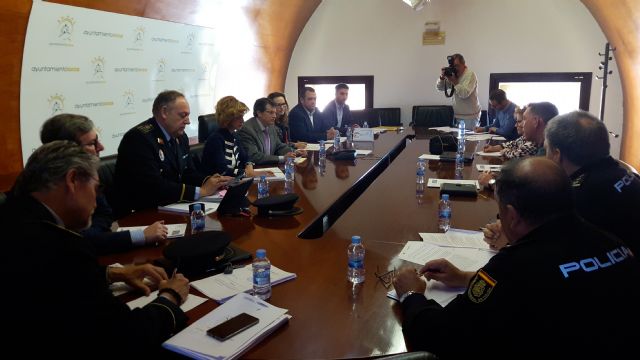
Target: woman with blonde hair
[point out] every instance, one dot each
(222, 152)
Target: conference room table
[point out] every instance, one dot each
(374, 197)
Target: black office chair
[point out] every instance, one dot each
(388, 117)
(206, 125)
(368, 115)
(484, 118)
(432, 115)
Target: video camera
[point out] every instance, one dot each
(451, 69)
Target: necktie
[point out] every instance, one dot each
(267, 141)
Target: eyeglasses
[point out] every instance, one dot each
(281, 105)
(386, 278)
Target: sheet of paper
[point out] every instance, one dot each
(490, 154)
(457, 238)
(445, 128)
(299, 160)
(174, 230)
(437, 182)
(192, 301)
(217, 197)
(194, 341)
(488, 167)
(222, 287)
(316, 147)
(429, 157)
(277, 174)
(183, 207)
(437, 291)
(466, 259)
(363, 152)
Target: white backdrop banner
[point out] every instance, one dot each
(110, 67)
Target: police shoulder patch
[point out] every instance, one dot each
(577, 182)
(481, 286)
(145, 128)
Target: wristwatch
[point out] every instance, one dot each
(406, 295)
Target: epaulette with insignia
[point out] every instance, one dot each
(480, 287)
(160, 141)
(577, 182)
(145, 128)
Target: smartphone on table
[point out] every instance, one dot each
(233, 326)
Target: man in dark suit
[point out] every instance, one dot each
(154, 165)
(80, 129)
(259, 137)
(306, 122)
(65, 300)
(337, 112)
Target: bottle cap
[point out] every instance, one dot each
(197, 207)
(445, 196)
(355, 239)
(263, 177)
(261, 253)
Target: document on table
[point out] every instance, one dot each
(480, 137)
(457, 238)
(183, 207)
(222, 287)
(195, 343)
(363, 152)
(429, 157)
(217, 197)
(299, 160)
(490, 154)
(487, 167)
(437, 291)
(466, 259)
(437, 182)
(174, 230)
(445, 128)
(192, 301)
(277, 174)
(327, 144)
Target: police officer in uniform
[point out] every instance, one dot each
(154, 165)
(606, 193)
(563, 287)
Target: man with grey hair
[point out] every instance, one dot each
(81, 130)
(561, 285)
(60, 283)
(606, 193)
(154, 165)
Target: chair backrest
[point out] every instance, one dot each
(377, 116)
(432, 115)
(206, 125)
(484, 118)
(196, 155)
(107, 174)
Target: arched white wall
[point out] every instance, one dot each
(384, 38)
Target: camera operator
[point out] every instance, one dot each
(466, 106)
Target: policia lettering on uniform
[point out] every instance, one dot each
(594, 263)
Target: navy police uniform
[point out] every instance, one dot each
(608, 195)
(150, 171)
(564, 288)
(74, 312)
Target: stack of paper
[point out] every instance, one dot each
(174, 230)
(222, 287)
(327, 144)
(490, 154)
(463, 248)
(429, 157)
(183, 207)
(487, 167)
(278, 175)
(437, 182)
(195, 343)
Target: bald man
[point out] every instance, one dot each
(560, 285)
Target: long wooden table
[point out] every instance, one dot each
(332, 318)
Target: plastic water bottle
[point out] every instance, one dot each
(261, 275)
(322, 153)
(349, 134)
(420, 193)
(461, 147)
(263, 187)
(444, 213)
(420, 171)
(289, 170)
(365, 124)
(336, 142)
(355, 253)
(461, 130)
(197, 219)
